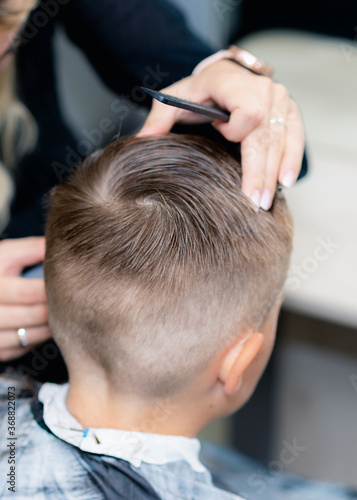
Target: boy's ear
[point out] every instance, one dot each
(237, 360)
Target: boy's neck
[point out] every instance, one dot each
(98, 405)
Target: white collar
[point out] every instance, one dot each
(134, 447)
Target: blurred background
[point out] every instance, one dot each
(308, 396)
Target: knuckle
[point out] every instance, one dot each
(230, 135)
(260, 139)
(27, 295)
(281, 91)
(255, 114)
(266, 85)
(276, 141)
(221, 82)
(277, 135)
(8, 317)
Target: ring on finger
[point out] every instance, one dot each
(21, 335)
(278, 120)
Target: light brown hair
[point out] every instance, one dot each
(155, 259)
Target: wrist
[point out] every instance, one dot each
(240, 56)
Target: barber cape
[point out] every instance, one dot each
(55, 458)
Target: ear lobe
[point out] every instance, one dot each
(237, 361)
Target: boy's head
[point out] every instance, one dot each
(157, 263)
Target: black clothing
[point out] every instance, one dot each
(329, 17)
(129, 43)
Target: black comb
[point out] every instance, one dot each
(202, 109)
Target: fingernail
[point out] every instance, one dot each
(266, 199)
(255, 197)
(289, 179)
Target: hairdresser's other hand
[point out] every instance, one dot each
(22, 301)
(270, 152)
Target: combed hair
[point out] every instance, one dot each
(156, 260)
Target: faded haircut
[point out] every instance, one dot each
(156, 260)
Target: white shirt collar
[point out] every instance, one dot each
(134, 447)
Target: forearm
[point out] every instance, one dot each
(129, 42)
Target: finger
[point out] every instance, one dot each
(248, 102)
(22, 316)
(247, 115)
(160, 120)
(250, 124)
(277, 143)
(254, 153)
(19, 253)
(294, 148)
(34, 335)
(18, 291)
(10, 354)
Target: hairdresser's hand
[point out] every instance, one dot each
(270, 152)
(22, 301)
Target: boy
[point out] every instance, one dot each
(164, 287)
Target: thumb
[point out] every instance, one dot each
(160, 120)
(19, 253)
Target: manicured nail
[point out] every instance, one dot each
(267, 198)
(255, 197)
(289, 179)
